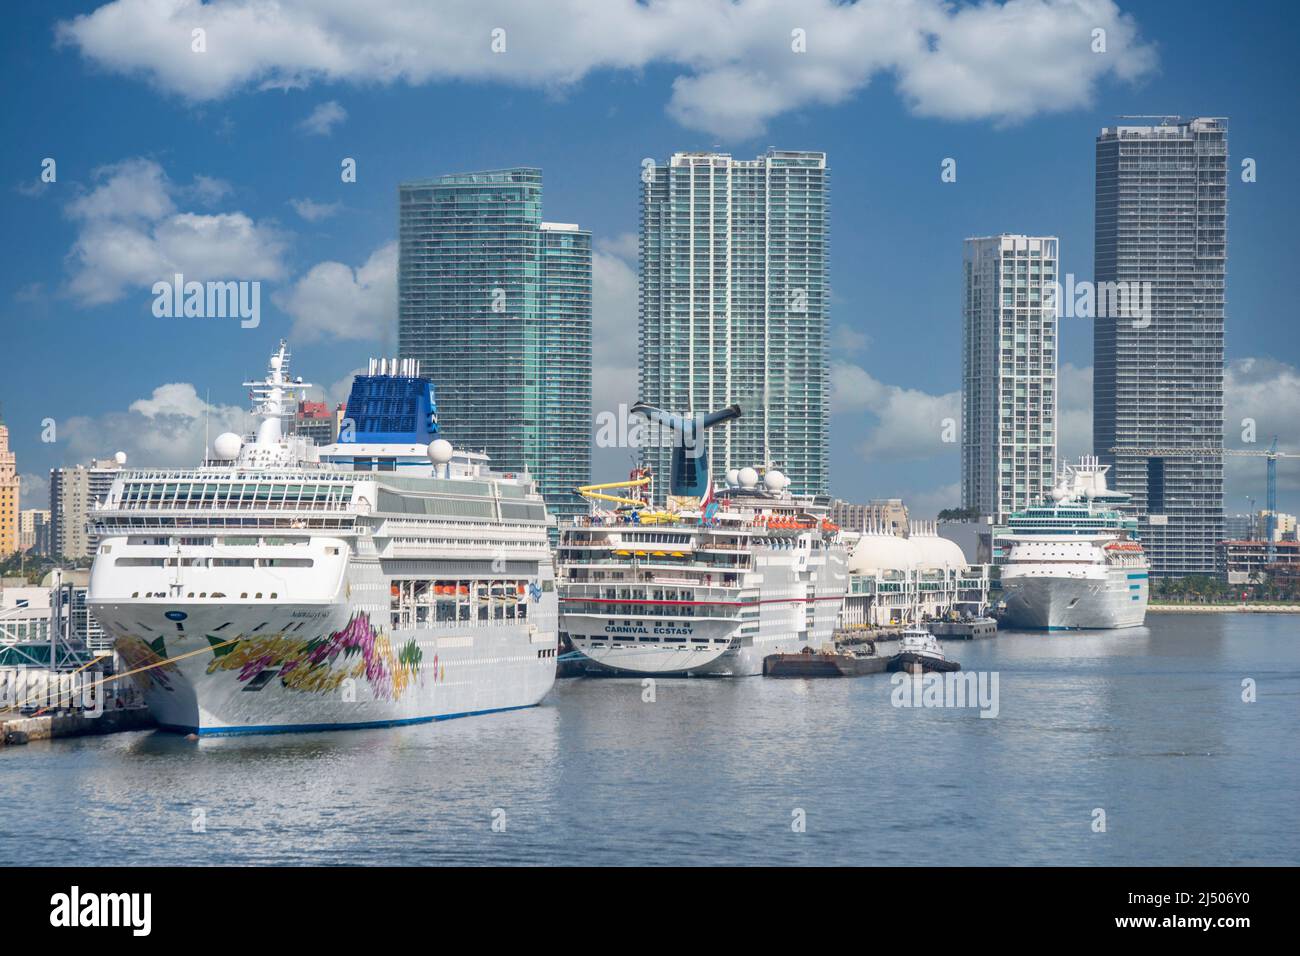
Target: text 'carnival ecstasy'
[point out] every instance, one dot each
(385, 579)
(1075, 561)
(710, 586)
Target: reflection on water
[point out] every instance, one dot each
(1147, 724)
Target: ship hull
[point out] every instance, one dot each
(324, 668)
(1045, 602)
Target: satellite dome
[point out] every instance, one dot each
(733, 477)
(748, 477)
(774, 480)
(439, 451)
(275, 362)
(120, 458)
(227, 446)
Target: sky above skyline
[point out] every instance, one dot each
(224, 163)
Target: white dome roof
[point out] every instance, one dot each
(882, 552)
(933, 551)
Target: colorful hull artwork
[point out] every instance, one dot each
(354, 676)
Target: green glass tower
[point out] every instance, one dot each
(734, 306)
(496, 306)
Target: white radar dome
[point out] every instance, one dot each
(120, 458)
(733, 477)
(774, 480)
(227, 446)
(439, 451)
(748, 477)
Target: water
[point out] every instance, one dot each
(1147, 724)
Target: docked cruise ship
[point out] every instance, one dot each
(1075, 561)
(707, 588)
(385, 579)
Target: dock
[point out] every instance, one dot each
(21, 730)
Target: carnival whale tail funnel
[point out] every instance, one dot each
(690, 474)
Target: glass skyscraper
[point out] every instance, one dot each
(734, 305)
(496, 305)
(1162, 219)
(1008, 436)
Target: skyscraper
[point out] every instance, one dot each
(1008, 407)
(73, 495)
(9, 502)
(734, 304)
(496, 305)
(1161, 228)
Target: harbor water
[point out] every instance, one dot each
(1146, 725)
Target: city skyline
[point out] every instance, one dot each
(324, 249)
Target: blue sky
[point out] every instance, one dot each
(167, 156)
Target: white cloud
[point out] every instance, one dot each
(614, 336)
(333, 300)
(131, 235)
(1074, 411)
(1267, 392)
(736, 60)
(323, 119)
(910, 423)
(313, 211)
(33, 491)
(167, 428)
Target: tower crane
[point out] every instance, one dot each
(1271, 453)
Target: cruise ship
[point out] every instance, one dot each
(384, 579)
(1075, 561)
(711, 586)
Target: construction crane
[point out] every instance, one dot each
(1271, 453)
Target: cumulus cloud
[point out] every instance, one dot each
(739, 64)
(323, 119)
(313, 211)
(33, 491)
(614, 322)
(335, 301)
(1262, 393)
(130, 235)
(909, 423)
(166, 428)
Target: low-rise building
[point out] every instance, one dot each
(1255, 561)
(888, 513)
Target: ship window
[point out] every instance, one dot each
(259, 627)
(244, 595)
(227, 624)
(258, 595)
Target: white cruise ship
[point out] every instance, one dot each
(386, 579)
(710, 586)
(1075, 561)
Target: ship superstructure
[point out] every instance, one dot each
(387, 578)
(1074, 561)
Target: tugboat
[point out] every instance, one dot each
(919, 652)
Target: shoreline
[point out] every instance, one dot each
(1225, 608)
